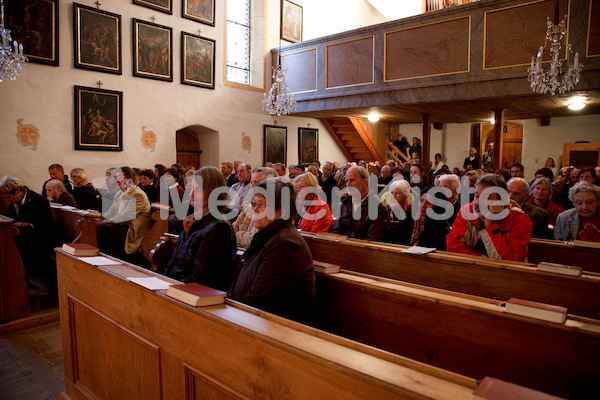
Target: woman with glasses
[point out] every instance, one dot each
(276, 273)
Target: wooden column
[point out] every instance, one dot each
(498, 138)
(425, 144)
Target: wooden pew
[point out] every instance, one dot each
(473, 275)
(121, 340)
(79, 227)
(468, 335)
(13, 286)
(564, 253)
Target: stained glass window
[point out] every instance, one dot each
(238, 41)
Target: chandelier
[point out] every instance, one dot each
(12, 62)
(554, 79)
(280, 100)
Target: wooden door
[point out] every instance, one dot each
(188, 148)
(512, 142)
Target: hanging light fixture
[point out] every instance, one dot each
(12, 62)
(554, 79)
(280, 100)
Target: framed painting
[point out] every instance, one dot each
(308, 145)
(165, 6)
(291, 21)
(97, 39)
(197, 61)
(275, 144)
(199, 10)
(98, 119)
(152, 51)
(34, 24)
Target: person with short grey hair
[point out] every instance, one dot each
(519, 190)
(583, 221)
(489, 226)
(452, 183)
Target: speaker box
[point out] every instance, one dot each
(544, 121)
(438, 125)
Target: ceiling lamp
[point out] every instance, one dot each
(554, 79)
(12, 62)
(373, 117)
(576, 106)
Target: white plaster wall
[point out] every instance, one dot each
(44, 98)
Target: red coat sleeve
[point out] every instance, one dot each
(455, 239)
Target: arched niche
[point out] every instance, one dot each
(197, 145)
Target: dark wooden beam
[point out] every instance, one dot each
(498, 138)
(425, 144)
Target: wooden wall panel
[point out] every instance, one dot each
(514, 34)
(102, 349)
(301, 70)
(593, 44)
(200, 386)
(435, 49)
(350, 63)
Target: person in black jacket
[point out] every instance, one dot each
(56, 171)
(148, 185)
(276, 273)
(206, 249)
(430, 230)
(86, 196)
(33, 218)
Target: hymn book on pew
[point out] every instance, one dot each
(80, 249)
(495, 389)
(559, 268)
(196, 295)
(326, 268)
(537, 310)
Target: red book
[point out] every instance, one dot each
(495, 389)
(196, 294)
(80, 249)
(533, 309)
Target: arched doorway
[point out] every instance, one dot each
(198, 146)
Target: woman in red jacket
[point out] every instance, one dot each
(315, 215)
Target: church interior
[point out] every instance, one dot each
(143, 83)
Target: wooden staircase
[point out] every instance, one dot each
(352, 138)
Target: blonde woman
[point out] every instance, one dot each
(86, 196)
(315, 215)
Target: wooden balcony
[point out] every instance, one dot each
(456, 64)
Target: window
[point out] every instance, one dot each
(238, 41)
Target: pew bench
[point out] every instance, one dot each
(122, 340)
(478, 276)
(564, 253)
(469, 335)
(13, 286)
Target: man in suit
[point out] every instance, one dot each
(33, 219)
(227, 171)
(127, 220)
(519, 190)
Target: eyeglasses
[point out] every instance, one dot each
(258, 206)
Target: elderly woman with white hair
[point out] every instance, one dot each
(541, 192)
(583, 221)
(401, 221)
(56, 192)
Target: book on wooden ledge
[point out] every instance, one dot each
(80, 249)
(326, 268)
(585, 243)
(559, 268)
(196, 295)
(495, 389)
(537, 310)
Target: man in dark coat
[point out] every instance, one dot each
(56, 171)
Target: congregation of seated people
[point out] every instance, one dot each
(475, 211)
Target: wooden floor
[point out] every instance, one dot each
(31, 364)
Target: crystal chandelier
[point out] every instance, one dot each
(280, 100)
(554, 80)
(12, 62)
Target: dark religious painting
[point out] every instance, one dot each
(97, 39)
(152, 51)
(98, 119)
(308, 145)
(197, 61)
(275, 144)
(165, 6)
(291, 21)
(199, 10)
(34, 24)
